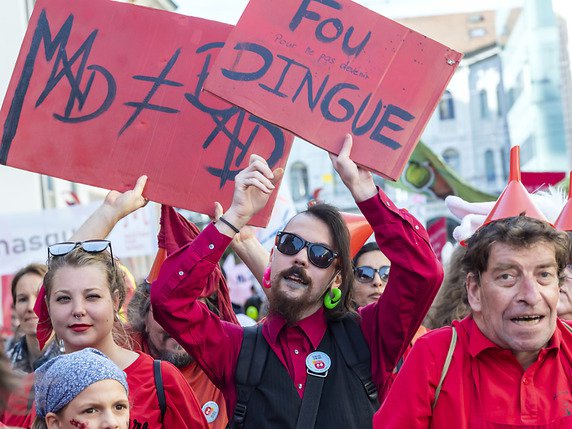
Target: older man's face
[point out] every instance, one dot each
(515, 303)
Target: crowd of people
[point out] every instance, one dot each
(382, 338)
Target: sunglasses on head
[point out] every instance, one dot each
(366, 274)
(318, 254)
(89, 246)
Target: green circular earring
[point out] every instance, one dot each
(332, 298)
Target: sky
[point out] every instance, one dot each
(229, 11)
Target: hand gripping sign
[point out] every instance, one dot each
(103, 92)
(323, 68)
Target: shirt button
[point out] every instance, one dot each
(296, 351)
(388, 203)
(181, 273)
(300, 386)
(211, 246)
(525, 381)
(416, 226)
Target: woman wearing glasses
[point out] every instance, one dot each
(84, 290)
(371, 272)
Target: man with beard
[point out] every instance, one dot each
(303, 366)
(149, 337)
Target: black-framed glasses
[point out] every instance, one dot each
(318, 254)
(89, 246)
(366, 274)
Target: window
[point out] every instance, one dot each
(490, 166)
(504, 153)
(476, 18)
(451, 157)
(477, 32)
(446, 107)
(299, 181)
(499, 100)
(483, 104)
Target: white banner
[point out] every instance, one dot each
(24, 237)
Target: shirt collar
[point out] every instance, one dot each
(314, 326)
(478, 342)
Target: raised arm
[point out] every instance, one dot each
(389, 324)
(174, 295)
(114, 208)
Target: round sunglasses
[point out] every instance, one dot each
(318, 254)
(365, 274)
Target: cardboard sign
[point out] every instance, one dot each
(104, 92)
(324, 68)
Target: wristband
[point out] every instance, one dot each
(230, 225)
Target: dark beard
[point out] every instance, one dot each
(180, 360)
(284, 306)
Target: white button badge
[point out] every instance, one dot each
(210, 410)
(318, 363)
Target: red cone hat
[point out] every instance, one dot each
(359, 228)
(564, 221)
(515, 199)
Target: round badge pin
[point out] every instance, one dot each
(210, 411)
(318, 362)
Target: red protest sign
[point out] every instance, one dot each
(103, 92)
(323, 68)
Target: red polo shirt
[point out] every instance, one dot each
(485, 386)
(387, 325)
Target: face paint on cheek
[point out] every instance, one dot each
(78, 424)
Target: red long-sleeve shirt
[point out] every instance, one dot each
(387, 325)
(485, 386)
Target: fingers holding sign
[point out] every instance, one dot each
(115, 207)
(252, 189)
(358, 180)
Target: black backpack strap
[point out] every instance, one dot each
(312, 393)
(355, 352)
(158, 375)
(249, 369)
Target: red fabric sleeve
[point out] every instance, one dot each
(416, 274)
(213, 343)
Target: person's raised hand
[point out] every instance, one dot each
(252, 189)
(357, 179)
(115, 207)
(122, 204)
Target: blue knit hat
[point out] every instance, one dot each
(61, 379)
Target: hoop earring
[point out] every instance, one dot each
(266, 277)
(332, 298)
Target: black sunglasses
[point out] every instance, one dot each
(89, 246)
(318, 254)
(366, 274)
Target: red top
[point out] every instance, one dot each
(205, 392)
(485, 386)
(183, 409)
(20, 410)
(388, 325)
